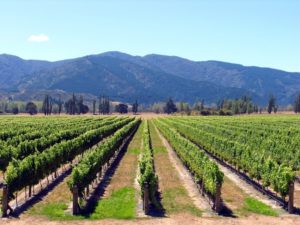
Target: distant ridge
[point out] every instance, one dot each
(148, 79)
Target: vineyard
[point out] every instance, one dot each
(98, 167)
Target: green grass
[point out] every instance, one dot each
(135, 144)
(55, 211)
(159, 150)
(256, 206)
(134, 151)
(175, 201)
(120, 205)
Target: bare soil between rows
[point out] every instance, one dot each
(180, 219)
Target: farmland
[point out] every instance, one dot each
(134, 169)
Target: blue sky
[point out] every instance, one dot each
(262, 33)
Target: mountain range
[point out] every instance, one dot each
(148, 79)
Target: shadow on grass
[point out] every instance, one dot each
(156, 208)
(39, 196)
(97, 195)
(227, 212)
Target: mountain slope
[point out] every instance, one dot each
(150, 78)
(261, 81)
(123, 80)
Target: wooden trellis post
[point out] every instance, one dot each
(291, 197)
(218, 202)
(5, 201)
(146, 198)
(202, 187)
(29, 193)
(75, 200)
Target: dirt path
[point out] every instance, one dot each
(297, 194)
(185, 178)
(172, 220)
(247, 188)
(119, 197)
(137, 145)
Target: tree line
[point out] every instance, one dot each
(75, 105)
(103, 106)
(243, 105)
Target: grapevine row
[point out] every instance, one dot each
(30, 170)
(266, 170)
(7, 153)
(204, 171)
(146, 167)
(87, 169)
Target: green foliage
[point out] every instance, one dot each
(47, 105)
(272, 104)
(31, 108)
(238, 106)
(146, 165)
(19, 145)
(33, 168)
(104, 105)
(121, 108)
(202, 168)
(75, 106)
(261, 154)
(170, 107)
(86, 171)
(135, 106)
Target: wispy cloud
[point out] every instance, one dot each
(38, 38)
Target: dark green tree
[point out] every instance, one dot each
(104, 105)
(135, 106)
(94, 107)
(76, 106)
(47, 105)
(170, 107)
(238, 106)
(121, 108)
(80, 105)
(31, 108)
(271, 103)
(60, 104)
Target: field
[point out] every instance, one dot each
(150, 170)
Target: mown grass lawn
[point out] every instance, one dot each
(256, 206)
(120, 205)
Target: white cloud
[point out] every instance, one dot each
(38, 38)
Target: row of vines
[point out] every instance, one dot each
(148, 180)
(205, 172)
(34, 167)
(253, 147)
